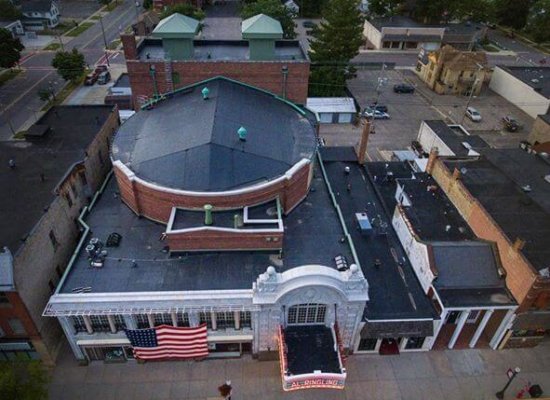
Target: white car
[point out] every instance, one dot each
(473, 114)
(376, 114)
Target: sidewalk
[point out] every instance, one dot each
(448, 375)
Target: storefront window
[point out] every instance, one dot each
(367, 344)
(78, 323)
(100, 323)
(183, 319)
(163, 319)
(142, 321)
(120, 324)
(246, 319)
(206, 318)
(225, 320)
(415, 342)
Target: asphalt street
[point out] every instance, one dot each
(19, 97)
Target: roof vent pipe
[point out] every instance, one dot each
(207, 214)
(205, 92)
(242, 132)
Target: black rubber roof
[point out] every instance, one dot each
(189, 143)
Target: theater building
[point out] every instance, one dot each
(215, 214)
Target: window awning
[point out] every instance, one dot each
(394, 329)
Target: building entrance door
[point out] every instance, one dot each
(389, 347)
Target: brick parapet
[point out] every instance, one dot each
(266, 75)
(212, 239)
(156, 202)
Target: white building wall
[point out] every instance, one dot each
(416, 251)
(372, 34)
(518, 93)
(429, 139)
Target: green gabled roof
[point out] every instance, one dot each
(261, 26)
(177, 25)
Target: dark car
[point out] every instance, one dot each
(511, 124)
(92, 77)
(308, 24)
(379, 107)
(403, 88)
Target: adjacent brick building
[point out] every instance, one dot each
(172, 59)
(51, 176)
(504, 196)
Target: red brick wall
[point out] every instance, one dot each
(262, 74)
(157, 205)
(520, 276)
(220, 240)
(16, 309)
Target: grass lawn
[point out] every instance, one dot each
(95, 17)
(9, 74)
(114, 44)
(112, 5)
(79, 29)
(53, 46)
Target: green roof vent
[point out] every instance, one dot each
(242, 132)
(205, 92)
(177, 33)
(261, 31)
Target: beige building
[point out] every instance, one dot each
(451, 71)
(540, 134)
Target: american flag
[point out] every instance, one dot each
(165, 341)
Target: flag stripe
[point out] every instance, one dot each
(164, 342)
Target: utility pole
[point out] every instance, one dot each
(104, 39)
(137, 11)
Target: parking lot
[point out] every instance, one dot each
(407, 111)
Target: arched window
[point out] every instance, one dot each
(308, 313)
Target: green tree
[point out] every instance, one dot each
(538, 23)
(512, 13)
(275, 9)
(184, 9)
(147, 4)
(23, 380)
(69, 64)
(8, 11)
(10, 49)
(310, 8)
(384, 8)
(335, 42)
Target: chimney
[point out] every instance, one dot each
(456, 174)
(129, 45)
(434, 152)
(519, 244)
(362, 150)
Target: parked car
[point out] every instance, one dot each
(374, 113)
(103, 78)
(403, 88)
(511, 124)
(308, 24)
(379, 107)
(92, 77)
(473, 114)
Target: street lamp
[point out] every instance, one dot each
(511, 375)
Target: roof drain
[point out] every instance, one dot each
(207, 214)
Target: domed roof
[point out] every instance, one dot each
(189, 143)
